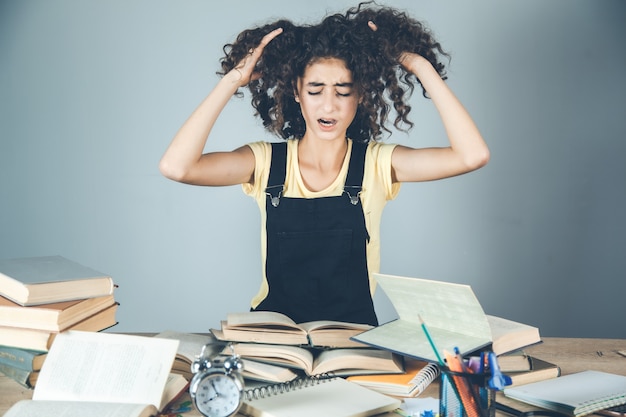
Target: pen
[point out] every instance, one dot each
(466, 394)
(498, 380)
(431, 341)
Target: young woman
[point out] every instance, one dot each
(327, 89)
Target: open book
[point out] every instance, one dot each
(508, 335)
(345, 361)
(190, 347)
(452, 313)
(104, 374)
(277, 328)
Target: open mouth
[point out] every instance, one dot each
(327, 122)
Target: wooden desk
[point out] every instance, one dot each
(572, 355)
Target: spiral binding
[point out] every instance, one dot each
(426, 376)
(283, 387)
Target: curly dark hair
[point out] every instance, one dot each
(371, 56)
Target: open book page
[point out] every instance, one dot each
(342, 361)
(262, 319)
(313, 362)
(452, 313)
(106, 367)
(277, 328)
(261, 371)
(29, 408)
(332, 326)
(334, 333)
(174, 386)
(443, 305)
(408, 339)
(189, 344)
(279, 337)
(290, 356)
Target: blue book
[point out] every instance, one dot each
(25, 359)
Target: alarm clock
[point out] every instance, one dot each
(216, 388)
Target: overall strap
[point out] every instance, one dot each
(354, 179)
(278, 170)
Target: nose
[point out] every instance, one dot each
(329, 102)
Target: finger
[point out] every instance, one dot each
(270, 36)
(256, 52)
(372, 25)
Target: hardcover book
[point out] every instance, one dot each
(454, 318)
(50, 279)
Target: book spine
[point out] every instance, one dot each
(19, 375)
(271, 390)
(18, 358)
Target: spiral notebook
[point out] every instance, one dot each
(314, 397)
(417, 377)
(575, 394)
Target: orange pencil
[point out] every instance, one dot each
(462, 386)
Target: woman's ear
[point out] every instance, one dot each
(296, 97)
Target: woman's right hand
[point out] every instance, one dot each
(245, 72)
(184, 160)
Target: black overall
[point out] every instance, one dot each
(316, 265)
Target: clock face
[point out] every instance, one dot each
(218, 395)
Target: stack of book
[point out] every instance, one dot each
(379, 352)
(309, 349)
(41, 297)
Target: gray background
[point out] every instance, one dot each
(93, 91)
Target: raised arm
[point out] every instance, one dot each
(184, 160)
(467, 151)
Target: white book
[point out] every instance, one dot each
(50, 279)
(102, 374)
(576, 394)
(333, 397)
(453, 315)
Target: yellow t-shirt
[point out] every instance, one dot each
(377, 190)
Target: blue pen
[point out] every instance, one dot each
(498, 380)
(483, 360)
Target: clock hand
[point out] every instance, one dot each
(217, 393)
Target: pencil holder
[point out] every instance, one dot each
(465, 395)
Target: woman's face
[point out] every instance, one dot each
(328, 98)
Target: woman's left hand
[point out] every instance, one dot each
(410, 61)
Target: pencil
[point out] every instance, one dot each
(431, 341)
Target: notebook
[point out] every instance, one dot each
(576, 394)
(416, 378)
(311, 397)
